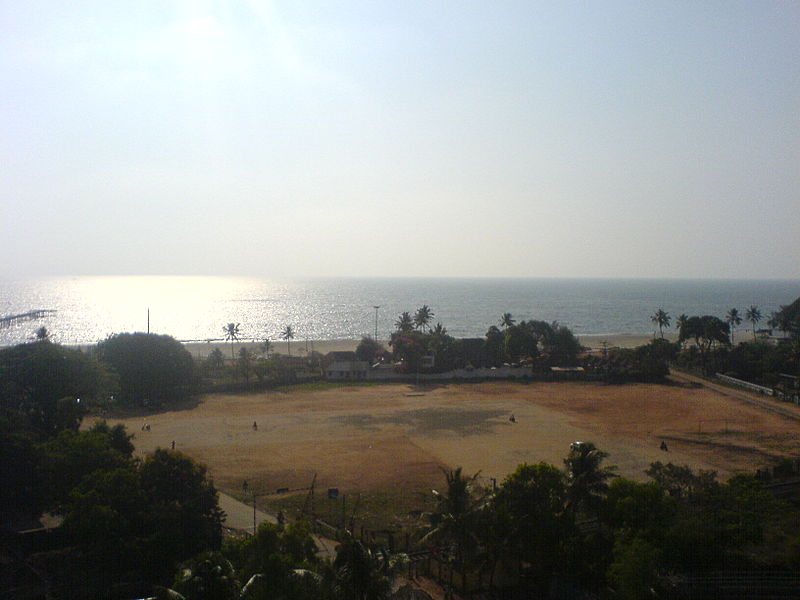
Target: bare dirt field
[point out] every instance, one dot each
(397, 436)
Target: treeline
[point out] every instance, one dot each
(580, 528)
(122, 519)
(417, 346)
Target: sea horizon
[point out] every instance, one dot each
(196, 307)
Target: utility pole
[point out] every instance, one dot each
(376, 322)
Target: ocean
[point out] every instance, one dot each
(88, 309)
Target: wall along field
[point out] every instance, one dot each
(390, 441)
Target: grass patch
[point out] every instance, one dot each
(377, 510)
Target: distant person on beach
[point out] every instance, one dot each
(512, 418)
(173, 444)
(255, 426)
(664, 447)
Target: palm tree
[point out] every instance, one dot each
(422, 317)
(265, 348)
(662, 319)
(753, 315)
(454, 520)
(586, 479)
(42, 335)
(733, 320)
(506, 320)
(439, 330)
(288, 335)
(404, 323)
(231, 334)
(361, 574)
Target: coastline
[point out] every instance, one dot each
(298, 348)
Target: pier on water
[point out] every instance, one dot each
(32, 315)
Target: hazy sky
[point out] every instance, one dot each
(606, 139)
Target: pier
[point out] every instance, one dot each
(32, 315)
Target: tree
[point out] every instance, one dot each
(47, 386)
(507, 320)
(182, 507)
(707, 331)
(422, 317)
(288, 335)
(587, 480)
(215, 360)
(231, 334)
(531, 521)
(404, 323)
(680, 323)
(245, 362)
(493, 346)
(454, 518)
(360, 573)
(152, 369)
(41, 334)
(209, 576)
(661, 319)
(265, 348)
(734, 320)
(368, 349)
(753, 314)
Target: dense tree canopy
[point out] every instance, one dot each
(47, 386)
(152, 369)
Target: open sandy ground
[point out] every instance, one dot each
(396, 436)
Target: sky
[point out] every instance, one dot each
(470, 139)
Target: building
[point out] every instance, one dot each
(349, 369)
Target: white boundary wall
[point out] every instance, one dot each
(759, 389)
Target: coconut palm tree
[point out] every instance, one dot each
(734, 320)
(288, 335)
(586, 478)
(454, 521)
(422, 317)
(42, 335)
(662, 319)
(231, 334)
(507, 320)
(404, 323)
(361, 574)
(753, 314)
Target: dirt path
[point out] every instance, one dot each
(790, 411)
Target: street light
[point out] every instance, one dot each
(376, 322)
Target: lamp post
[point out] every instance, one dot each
(376, 322)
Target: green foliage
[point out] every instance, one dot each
(634, 574)
(587, 479)
(41, 383)
(23, 487)
(646, 363)
(642, 507)
(71, 456)
(368, 349)
(661, 319)
(361, 574)
(208, 576)
(531, 521)
(153, 369)
(182, 505)
(707, 332)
